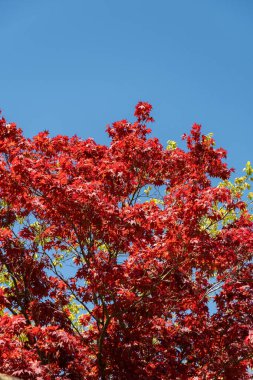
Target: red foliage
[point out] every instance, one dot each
(79, 229)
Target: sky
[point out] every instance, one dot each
(74, 66)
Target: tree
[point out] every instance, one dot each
(125, 261)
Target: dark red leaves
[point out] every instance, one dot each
(142, 112)
(111, 257)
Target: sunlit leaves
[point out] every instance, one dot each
(110, 255)
(171, 145)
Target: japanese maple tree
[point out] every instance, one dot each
(125, 261)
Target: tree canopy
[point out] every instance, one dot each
(127, 261)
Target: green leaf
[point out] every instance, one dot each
(171, 145)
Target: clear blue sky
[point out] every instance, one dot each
(73, 66)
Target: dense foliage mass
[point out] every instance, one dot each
(123, 261)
